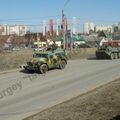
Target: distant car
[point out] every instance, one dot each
(16, 49)
(7, 46)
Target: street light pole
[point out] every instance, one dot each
(64, 24)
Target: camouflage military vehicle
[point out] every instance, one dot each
(42, 61)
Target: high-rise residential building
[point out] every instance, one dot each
(57, 27)
(88, 26)
(19, 30)
(74, 25)
(103, 27)
(1, 29)
(44, 27)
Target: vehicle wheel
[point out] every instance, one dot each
(119, 55)
(116, 56)
(112, 56)
(62, 64)
(43, 68)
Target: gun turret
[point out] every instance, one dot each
(52, 47)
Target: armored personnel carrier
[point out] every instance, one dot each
(109, 50)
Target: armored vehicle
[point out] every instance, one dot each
(50, 58)
(110, 50)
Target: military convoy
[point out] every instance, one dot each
(46, 59)
(108, 50)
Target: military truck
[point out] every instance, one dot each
(108, 50)
(42, 61)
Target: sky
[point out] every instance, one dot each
(33, 12)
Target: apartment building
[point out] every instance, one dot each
(88, 26)
(19, 30)
(103, 27)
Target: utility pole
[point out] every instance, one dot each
(63, 16)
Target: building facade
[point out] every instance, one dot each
(88, 26)
(103, 27)
(57, 27)
(74, 25)
(19, 30)
(119, 26)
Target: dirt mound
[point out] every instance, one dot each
(81, 53)
(14, 59)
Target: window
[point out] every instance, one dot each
(37, 55)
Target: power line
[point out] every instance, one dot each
(66, 3)
(39, 20)
(33, 18)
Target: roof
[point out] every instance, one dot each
(104, 33)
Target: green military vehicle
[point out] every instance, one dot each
(47, 59)
(108, 50)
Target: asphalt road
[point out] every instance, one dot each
(24, 94)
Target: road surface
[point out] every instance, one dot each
(23, 94)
